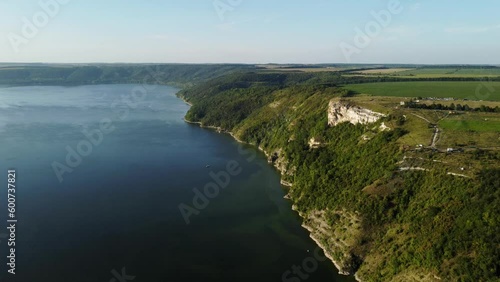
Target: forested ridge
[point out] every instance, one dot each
(182, 75)
(426, 223)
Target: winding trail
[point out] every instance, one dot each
(421, 117)
(425, 169)
(435, 135)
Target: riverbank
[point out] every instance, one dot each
(312, 234)
(321, 241)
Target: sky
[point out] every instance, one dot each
(250, 31)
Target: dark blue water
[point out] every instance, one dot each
(111, 210)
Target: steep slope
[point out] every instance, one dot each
(372, 219)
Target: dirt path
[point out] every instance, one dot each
(425, 169)
(421, 117)
(435, 135)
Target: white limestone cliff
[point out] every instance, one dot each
(339, 112)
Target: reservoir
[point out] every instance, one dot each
(113, 184)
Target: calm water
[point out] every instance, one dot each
(119, 206)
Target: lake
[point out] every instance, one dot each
(113, 185)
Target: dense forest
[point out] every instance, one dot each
(428, 222)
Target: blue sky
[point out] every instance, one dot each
(250, 31)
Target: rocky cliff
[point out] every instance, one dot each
(339, 112)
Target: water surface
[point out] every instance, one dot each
(119, 206)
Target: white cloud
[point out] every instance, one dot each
(403, 31)
(168, 38)
(228, 26)
(472, 29)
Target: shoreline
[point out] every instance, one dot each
(287, 196)
(316, 240)
(323, 247)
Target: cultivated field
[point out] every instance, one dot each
(430, 72)
(470, 90)
(302, 69)
(382, 71)
(450, 72)
(472, 121)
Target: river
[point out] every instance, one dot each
(111, 183)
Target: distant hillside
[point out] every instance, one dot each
(171, 74)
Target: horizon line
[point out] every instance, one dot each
(268, 63)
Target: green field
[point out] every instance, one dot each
(479, 126)
(489, 91)
(480, 122)
(431, 72)
(450, 72)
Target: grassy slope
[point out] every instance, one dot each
(480, 129)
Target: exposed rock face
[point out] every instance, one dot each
(339, 112)
(314, 144)
(337, 236)
(278, 160)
